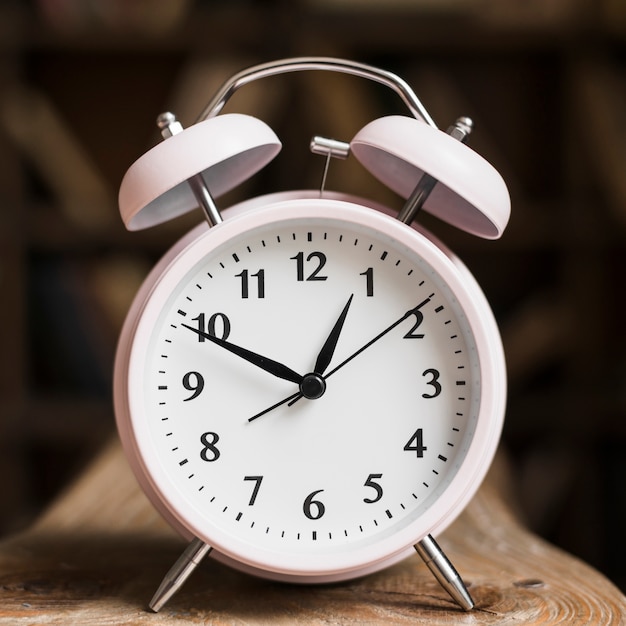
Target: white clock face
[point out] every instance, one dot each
(294, 472)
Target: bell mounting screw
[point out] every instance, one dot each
(170, 126)
(460, 131)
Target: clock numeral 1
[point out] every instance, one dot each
(369, 281)
(210, 327)
(245, 283)
(416, 444)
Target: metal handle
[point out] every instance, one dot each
(298, 64)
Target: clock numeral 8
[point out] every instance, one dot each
(210, 451)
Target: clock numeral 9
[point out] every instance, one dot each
(193, 381)
(210, 327)
(210, 451)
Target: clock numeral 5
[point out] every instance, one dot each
(371, 482)
(211, 326)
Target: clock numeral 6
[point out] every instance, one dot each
(313, 509)
(210, 451)
(215, 321)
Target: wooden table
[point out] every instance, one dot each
(99, 553)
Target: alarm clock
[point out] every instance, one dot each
(309, 386)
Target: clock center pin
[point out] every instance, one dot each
(313, 386)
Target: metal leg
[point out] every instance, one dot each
(444, 572)
(179, 572)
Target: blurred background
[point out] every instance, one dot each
(81, 84)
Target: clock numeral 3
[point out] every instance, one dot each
(433, 382)
(210, 451)
(320, 257)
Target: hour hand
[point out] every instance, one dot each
(269, 365)
(328, 349)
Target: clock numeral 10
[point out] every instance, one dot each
(215, 321)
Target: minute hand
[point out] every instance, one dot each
(273, 367)
(399, 321)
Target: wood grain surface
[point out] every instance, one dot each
(99, 553)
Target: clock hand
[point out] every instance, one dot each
(380, 335)
(273, 367)
(328, 349)
(292, 399)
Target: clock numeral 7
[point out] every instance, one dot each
(255, 490)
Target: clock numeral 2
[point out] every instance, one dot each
(245, 283)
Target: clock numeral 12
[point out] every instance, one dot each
(314, 275)
(245, 283)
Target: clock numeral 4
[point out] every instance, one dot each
(416, 444)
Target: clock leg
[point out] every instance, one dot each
(179, 572)
(444, 572)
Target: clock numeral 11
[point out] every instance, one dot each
(245, 283)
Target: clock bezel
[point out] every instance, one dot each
(135, 338)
